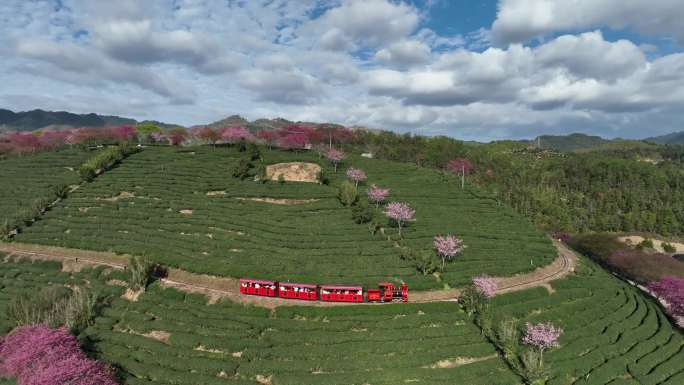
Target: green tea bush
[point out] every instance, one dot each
(347, 193)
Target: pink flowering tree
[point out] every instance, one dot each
(460, 166)
(38, 355)
(377, 195)
(177, 136)
(542, 336)
(671, 291)
(207, 135)
(268, 137)
(293, 141)
(400, 213)
(486, 285)
(356, 175)
(447, 247)
(236, 134)
(335, 157)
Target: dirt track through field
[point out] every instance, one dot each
(216, 288)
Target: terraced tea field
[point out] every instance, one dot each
(613, 334)
(168, 337)
(24, 179)
(182, 208)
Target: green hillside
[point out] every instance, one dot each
(613, 333)
(182, 207)
(26, 180)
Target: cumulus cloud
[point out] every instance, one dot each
(373, 62)
(364, 23)
(520, 20)
(404, 54)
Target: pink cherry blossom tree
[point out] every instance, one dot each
(486, 285)
(293, 141)
(671, 291)
(268, 137)
(356, 175)
(542, 336)
(460, 166)
(400, 213)
(447, 247)
(38, 355)
(377, 195)
(236, 134)
(335, 157)
(207, 135)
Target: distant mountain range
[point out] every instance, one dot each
(40, 119)
(673, 138)
(59, 120)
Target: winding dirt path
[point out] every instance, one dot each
(216, 288)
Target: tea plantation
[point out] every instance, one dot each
(182, 207)
(25, 179)
(226, 343)
(613, 334)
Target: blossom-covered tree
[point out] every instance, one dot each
(293, 141)
(356, 175)
(177, 136)
(236, 134)
(400, 213)
(486, 285)
(123, 133)
(542, 336)
(670, 290)
(268, 137)
(460, 166)
(377, 195)
(447, 247)
(335, 157)
(38, 355)
(207, 135)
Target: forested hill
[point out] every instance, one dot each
(38, 119)
(620, 188)
(673, 138)
(568, 143)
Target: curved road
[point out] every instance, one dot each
(220, 287)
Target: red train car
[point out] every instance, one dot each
(258, 287)
(340, 293)
(297, 291)
(386, 292)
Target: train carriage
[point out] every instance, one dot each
(340, 293)
(302, 291)
(258, 287)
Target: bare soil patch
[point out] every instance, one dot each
(459, 361)
(158, 335)
(132, 295)
(186, 212)
(122, 195)
(215, 193)
(280, 201)
(634, 240)
(294, 171)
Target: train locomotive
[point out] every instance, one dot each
(386, 291)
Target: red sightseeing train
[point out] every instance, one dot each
(386, 291)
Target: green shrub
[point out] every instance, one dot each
(362, 212)
(424, 261)
(242, 169)
(55, 306)
(347, 193)
(140, 273)
(323, 178)
(646, 244)
(669, 248)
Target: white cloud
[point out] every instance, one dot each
(521, 20)
(354, 62)
(404, 54)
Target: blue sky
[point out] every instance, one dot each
(478, 70)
